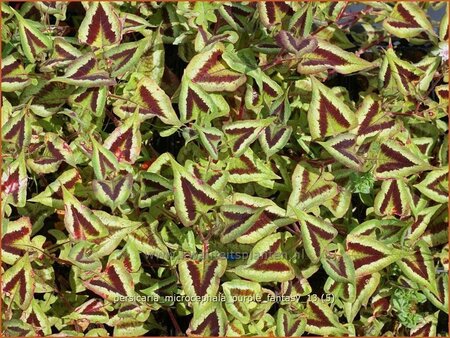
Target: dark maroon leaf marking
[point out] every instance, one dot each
(211, 322)
(191, 192)
(201, 282)
(100, 20)
(319, 320)
(392, 194)
(81, 225)
(398, 161)
(371, 254)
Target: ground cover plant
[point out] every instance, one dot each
(224, 169)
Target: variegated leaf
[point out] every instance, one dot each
(193, 197)
(103, 160)
(435, 185)
(34, 42)
(395, 160)
(404, 74)
(154, 188)
(147, 240)
(266, 262)
(421, 221)
(316, 234)
(16, 240)
(329, 56)
(125, 141)
(195, 102)
(201, 278)
(274, 138)
(344, 149)
(365, 287)
(339, 266)
(14, 182)
(290, 324)
(80, 221)
(241, 134)
(14, 76)
(370, 256)
(52, 196)
(209, 320)
(94, 310)
(115, 192)
(407, 20)
(310, 189)
(81, 256)
(118, 228)
(210, 138)
(420, 267)
(210, 71)
(371, 118)
(273, 12)
(18, 283)
(63, 54)
(328, 115)
(149, 101)
(427, 327)
(84, 72)
(92, 100)
(126, 56)
(394, 198)
(249, 168)
(340, 203)
(299, 47)
(239, 294)
(101, 26)
(114, 282)
(44, 164)
(320, 320)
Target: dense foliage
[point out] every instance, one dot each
(224, 168)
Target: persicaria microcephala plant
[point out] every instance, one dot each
(218, 168)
